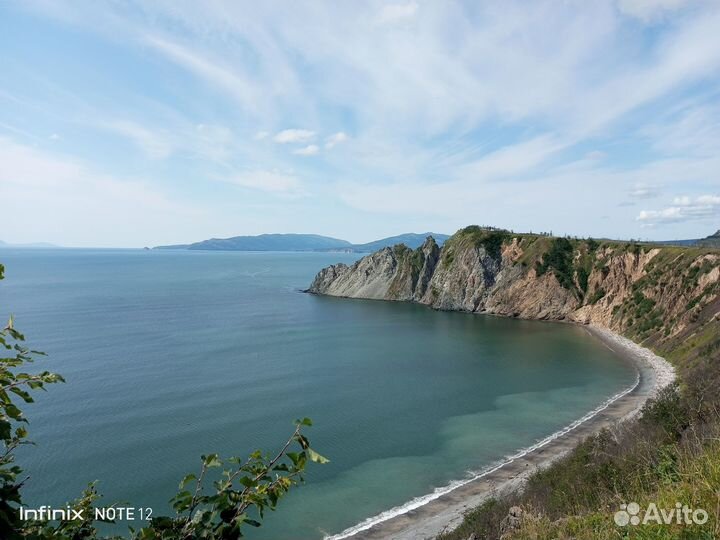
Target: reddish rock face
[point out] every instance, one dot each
(649, 293)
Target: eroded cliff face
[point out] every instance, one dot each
(396, 273)
(653, 294)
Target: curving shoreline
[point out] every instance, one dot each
(427, 516)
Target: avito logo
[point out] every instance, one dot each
(630, 514)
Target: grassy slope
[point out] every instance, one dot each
(670, 454)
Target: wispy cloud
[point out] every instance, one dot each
(154, 144)
(644, 191)
(294, 136)
(650, 10)
(595, 155)
(220, 76)
(309, 150)
(274, 181)
(513, 159)
(395, 12)
(210, 142)
(622, 109)
(335, 139)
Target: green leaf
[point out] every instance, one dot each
(185, 481)
(12, 411)
(27, 398)
(182, 501)
(317, 458)
(212, 461)
(247, 482)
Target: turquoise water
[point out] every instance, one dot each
(169, 355)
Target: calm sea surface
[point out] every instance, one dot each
(169, 355)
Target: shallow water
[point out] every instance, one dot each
(169, 355)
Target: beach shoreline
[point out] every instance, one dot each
(443, 511)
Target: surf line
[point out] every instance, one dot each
(417, 502)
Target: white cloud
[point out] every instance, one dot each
(54, 137)
(260, 135)
(713, 200)
(335, 139)
(649, 10)
(309, 150)
(682, 201)
(394, 12)
(270, 181)
(294, 136)
(684, 208)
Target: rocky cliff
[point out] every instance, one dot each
(656, 295)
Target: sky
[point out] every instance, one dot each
(130, 124)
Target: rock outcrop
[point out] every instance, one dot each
(649, 293)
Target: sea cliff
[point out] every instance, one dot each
(655, 295)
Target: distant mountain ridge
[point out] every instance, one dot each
(411, 240)
(266, 242)
(709, 241)
(304, 242)
(28, 245)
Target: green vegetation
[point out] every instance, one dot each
(672, 269)
(534, 247)
(592, 245)
(410, 263)
(15, 387)
(596, 296)
(559, 259)
(570, 261)
(240, 490)
(691, 475)
(488, 238)
(582, 274)
(416, 262)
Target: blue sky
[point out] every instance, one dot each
(145, 123)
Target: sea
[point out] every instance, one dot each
(169, 355)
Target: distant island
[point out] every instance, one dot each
(305, 242)
(29, 245)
